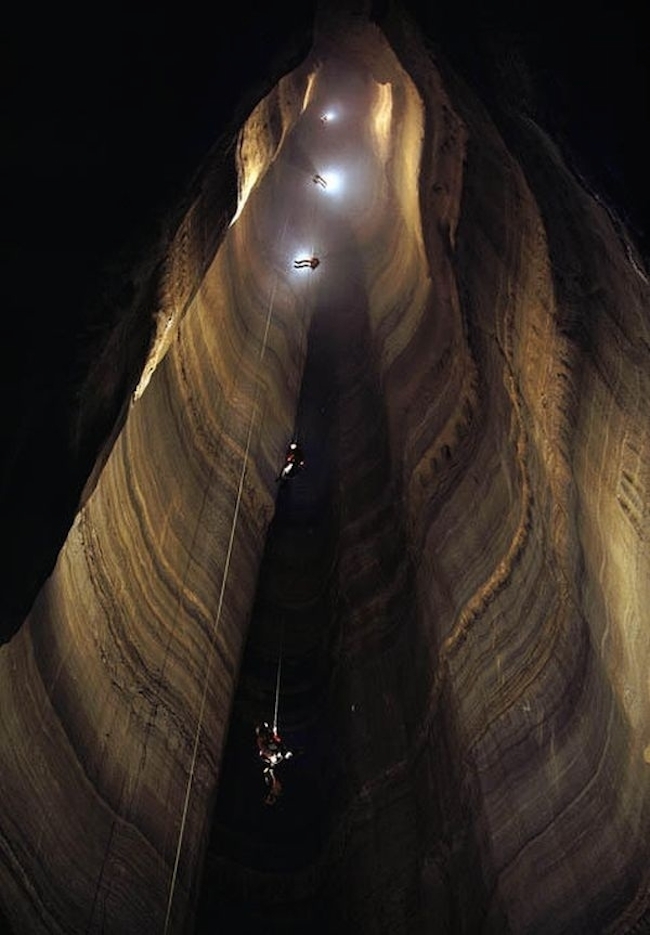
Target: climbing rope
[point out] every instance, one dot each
(277, 683)
(215, 626)
(217, 619)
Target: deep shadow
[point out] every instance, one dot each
(287, 868)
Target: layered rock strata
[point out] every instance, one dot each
(460, 576)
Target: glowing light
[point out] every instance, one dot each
(328, 116)
(333, 179)
(329, 181)
(304, 261)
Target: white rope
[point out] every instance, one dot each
(277, 686)
(197, 735)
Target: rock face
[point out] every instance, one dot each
(456, 586)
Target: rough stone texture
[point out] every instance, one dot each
(459, 580)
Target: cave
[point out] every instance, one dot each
(444, 611)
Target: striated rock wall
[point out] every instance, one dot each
(484, 771)
(475, 350)
(131, 651)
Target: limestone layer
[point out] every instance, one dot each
(461, 575)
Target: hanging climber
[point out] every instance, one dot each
(272, 751)
(311, 261)
(293, 462)
(319, 180)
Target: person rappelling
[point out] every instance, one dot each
(272, 751)
(293, 462)
(311, 261)
(271, 748)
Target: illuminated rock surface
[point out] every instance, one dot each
(458, 582)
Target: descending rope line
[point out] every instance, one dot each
(299, 428)
(197, 735)
(277, 682)
(217, 619)
(216, 623)
(154, 711)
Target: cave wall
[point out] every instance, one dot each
(488, 685)
(479, 733)
(132, 646)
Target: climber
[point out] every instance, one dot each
(319, 180)
(311, 261)
(272, 751)
(293, 462)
